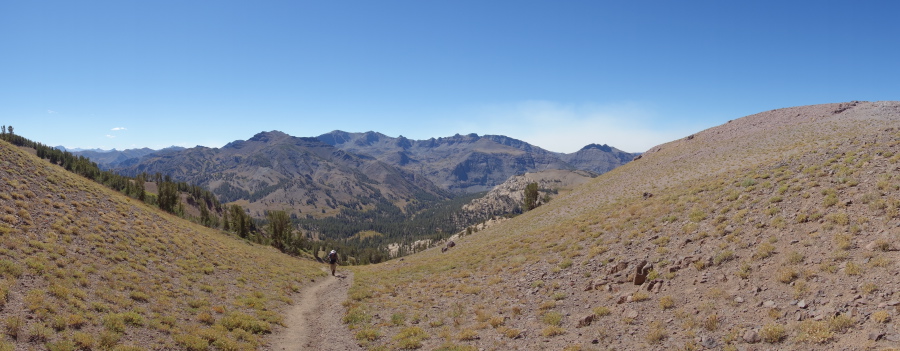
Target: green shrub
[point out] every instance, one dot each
(411, 338)
(398, 319)
(191, 342)
(368, 334)
(552, 318)
(238, 320)
(772, 333)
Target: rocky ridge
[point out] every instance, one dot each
(472, 163)
(507, 198)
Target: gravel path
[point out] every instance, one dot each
(314, 323)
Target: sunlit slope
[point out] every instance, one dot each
(86, 268)
(778, 228)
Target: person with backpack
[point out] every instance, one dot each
(332, 260)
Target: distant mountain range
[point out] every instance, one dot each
(108, 159)
(319, 177)
(472, 163)
(254, 169)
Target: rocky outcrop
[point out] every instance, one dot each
(509, 195)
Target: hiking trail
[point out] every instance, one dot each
(314, 322)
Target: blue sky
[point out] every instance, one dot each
(558, 74)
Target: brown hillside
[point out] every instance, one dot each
(86, 268)
(773, 231)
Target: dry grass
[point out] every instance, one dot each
(108, 272)
(881, 316)
(817, 332)
(773, 333)
(781, 203)
(666, 302)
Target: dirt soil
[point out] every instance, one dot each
(314, 322)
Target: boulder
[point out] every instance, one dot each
(751, 337)
(641, 271)
(585, 321)
(621, 266)
(631, 314)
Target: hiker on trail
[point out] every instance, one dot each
(332, 260)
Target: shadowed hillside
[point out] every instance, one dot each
(84, 267)
(773, 231)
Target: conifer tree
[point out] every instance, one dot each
(531, 196)
(168, 197)
(280, 229)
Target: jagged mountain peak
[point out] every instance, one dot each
(269, 136)
(604, 147)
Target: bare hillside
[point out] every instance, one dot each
(773, 231)
(85, 268)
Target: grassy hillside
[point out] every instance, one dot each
(777, 230)
(84, 267)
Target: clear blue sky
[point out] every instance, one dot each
(558, 74)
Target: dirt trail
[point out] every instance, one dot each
(314, 323)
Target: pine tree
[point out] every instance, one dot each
(226, 223)
(240, 221)
(531, 196)
(168, 197)
(281, 229)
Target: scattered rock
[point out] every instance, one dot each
(769, 304)
(621, 266)
(654, 285)
(631, 314)
(751, 337)
(674, 269)
(875, 336)
(708, 342)
(586, 321)
(802, 304)
(641, 271)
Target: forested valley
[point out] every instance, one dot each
(360, 235)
